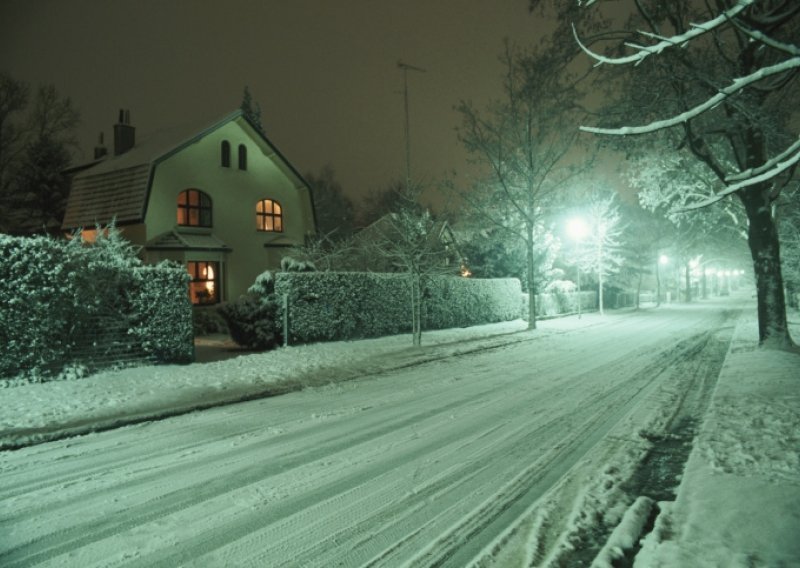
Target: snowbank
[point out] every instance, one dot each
(32, 413)
(739, 501)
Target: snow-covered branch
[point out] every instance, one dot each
(769, 165)
(643, 51)
(767, 40)
(733, 88)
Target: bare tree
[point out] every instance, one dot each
(524, 140)
(599, 250)
(13, 100)
(409, 240)
(721, 75)
(34, 152)
(334, 211)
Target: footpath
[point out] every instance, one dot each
(738, 504)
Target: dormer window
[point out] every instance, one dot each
(194, 208)
(242, 157)
(269, 216)
(225, 154)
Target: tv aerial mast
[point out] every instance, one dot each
(406, 68)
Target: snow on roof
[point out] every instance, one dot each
(117, 187)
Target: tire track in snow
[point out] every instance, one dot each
(362, 506)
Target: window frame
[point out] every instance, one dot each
(200, 280)
(202, 208)
(242, 157)
(266, 218)
(225, 154)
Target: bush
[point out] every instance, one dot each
(253, 322)
(67, 306)
(208, 320)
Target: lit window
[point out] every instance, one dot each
(269, 216)
(194, 208)
(204, 286)
(225, 150)
(242, 157)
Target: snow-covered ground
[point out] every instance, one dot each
(503, 449)
(739, 502)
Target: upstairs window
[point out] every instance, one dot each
(242, 157)
(225, 151)
(194, 208)
(204, 285)
(269, 216)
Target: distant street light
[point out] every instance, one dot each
(578, 229)
(663, 259)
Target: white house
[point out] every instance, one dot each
(221, 199)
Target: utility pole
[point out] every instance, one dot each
(406, 67)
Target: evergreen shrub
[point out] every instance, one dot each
(253, 322)
(162, 312)
(67, 306)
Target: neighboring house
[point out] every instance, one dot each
(221, 200)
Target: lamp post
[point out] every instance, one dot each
(577, 230)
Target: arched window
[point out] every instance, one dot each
(194, 208)
(225, 151)
(242, 157)
(269, 216)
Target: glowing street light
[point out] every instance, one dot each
(578, 229)
(663, 259)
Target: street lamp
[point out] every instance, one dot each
(577, 230)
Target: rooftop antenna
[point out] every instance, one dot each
(406, 68)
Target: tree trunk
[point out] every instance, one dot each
(600, 275)
(658, 284)
(531, 283)
(762, 237)
(704, 286)
(688, 279)
(416, 311)
(638, 290)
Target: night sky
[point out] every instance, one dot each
(325, 72)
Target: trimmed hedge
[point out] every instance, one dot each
(326, 306)
(161, 312)
(557, 303)
(67, 308)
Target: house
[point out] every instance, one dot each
(220, 199)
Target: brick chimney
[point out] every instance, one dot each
(124, 133)
(100, 151)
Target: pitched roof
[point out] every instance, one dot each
(101, 197)
(117, 187)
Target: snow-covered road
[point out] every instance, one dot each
(481, 457)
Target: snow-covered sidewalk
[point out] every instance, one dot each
(33, 413)
(738, 503)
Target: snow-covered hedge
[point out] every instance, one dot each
(346, 305)
(66, 307)
(558, 302)
(162, 312)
